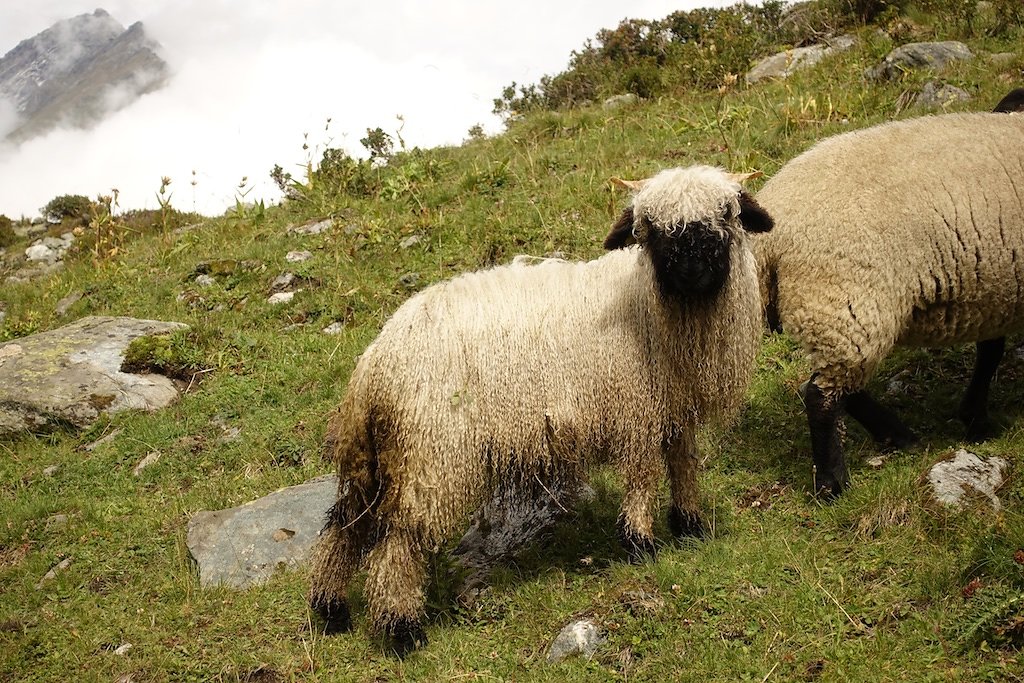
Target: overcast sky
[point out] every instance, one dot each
(250, 78)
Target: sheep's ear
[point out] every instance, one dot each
(622, 232)
(631, 185)
(752, 216)
(744, 177)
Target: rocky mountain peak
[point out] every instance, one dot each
(71, 73)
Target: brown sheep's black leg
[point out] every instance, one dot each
(823, 416)
(885, 428)
(974, 406)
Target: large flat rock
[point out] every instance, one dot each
(72, 375)
(245, 545)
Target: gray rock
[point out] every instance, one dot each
(34, 270)
(964, 474)
(783, 64)
(919, 55)
(337, 327)
(205, 280)
(897, 384)
(67, 302)
(40, 252)
(244, 546)
(281, 298)
(72, 375)
(122, 649)
(512, 518)
(409, 280)
(410, 241)
(1002, 58)
(102, 441)
(618, 101)
(311, 228)
(150, 459)
(283, 282)
(578, 638)
(52, 574)
(59, 519)
(876, 463)
(51, 470)
(935, 95)
(298, 256)
(230, 434)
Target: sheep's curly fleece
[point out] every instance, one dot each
(524, 373)
(906, 233)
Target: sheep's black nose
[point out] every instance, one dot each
(691, 265)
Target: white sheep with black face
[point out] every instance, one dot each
(531, 374)
(907, 233)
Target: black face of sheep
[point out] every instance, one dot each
(691, 259)
(692, 264)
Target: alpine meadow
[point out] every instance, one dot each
(882, 583)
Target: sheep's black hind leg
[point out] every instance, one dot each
(336, 558)
(395, 581)
(823, 417)
(885, 428)
(974, 405)
(334, 613)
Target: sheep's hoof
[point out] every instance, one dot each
(828, 487)
(898, 441)
(334, 613)
(685, 524)
(639, 548)
(406, 635)
(980, 428)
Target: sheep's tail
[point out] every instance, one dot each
(352, 526)
(350, 444)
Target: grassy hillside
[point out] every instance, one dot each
(880, 585)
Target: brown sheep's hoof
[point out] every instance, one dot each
(684, 524)
(406, 635)
(638, 548)
(334, 613)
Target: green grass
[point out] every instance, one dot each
(881, 585)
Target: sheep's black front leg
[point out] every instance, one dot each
(885, 428)
(823, 417)
(974, 405)
(681, 459)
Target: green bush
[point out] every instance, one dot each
(7, 235)
(74, 207)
